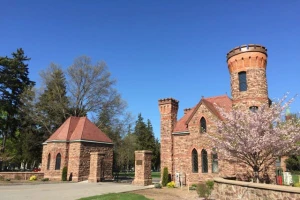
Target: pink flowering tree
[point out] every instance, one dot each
(257, 138)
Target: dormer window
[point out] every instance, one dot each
(202, 125)
(243, 81)
(253, 108)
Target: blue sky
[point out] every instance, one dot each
(158, 49)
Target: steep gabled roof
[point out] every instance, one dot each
(181, 126)
(79, 129)
(211, 103)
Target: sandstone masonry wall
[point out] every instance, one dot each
(254, 64)
(53, 149)
(228, 189)
(84, 165)
(21, 175)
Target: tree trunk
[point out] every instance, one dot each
(256, 174)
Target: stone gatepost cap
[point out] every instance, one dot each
(143, 151)
(97, 153)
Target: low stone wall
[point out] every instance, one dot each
(234, 190)
(21, 175)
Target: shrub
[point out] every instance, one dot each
(202, 190)
(17, 177)
(33, 178)
(165, 178)
(45, 179)
(297, 185)
(193, 187)
(171, 184)
(1, 178)
(205, 189)
(157, 185)
(210, 185)
(8, 179)
(64, 174)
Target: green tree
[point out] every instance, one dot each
(127, 150)
(146, 140)
(53, 105)
(156, 156)
(114, 124)
(29, 139)
(144, 133)
(293, 163)
(13, 81)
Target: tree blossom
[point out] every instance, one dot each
(257, 138)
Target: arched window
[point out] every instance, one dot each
(194, 161)
(202, 125)
(204, 161)
(57, 162)
(243, 81)
(214, 161)
(48, 162)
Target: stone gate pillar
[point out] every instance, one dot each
(142, 168)
(95, 167)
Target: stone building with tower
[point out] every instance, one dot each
(185, 145)
(81, 147)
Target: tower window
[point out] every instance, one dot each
(57, 162)
(253, 108)
(202, 125)
(204, 161)
(194, 161)
(243, 81)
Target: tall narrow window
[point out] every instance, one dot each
(243, 81)
(48, 162)
(202, 125)
(57, 162)
(214, 161)
(194, 161)
(204, 161)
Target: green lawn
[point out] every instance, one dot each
(131, 174)
(116, 196)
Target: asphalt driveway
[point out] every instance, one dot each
(64, 191)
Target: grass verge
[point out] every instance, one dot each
(116, 196)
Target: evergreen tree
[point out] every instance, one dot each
(141, 131)
(144, 133)
(13, 81)
(52, 107)
(26, 145)
(127, 150)
(156, 156)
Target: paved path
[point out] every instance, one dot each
(63, 191)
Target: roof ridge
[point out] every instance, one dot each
(214, 97)
(83, 126)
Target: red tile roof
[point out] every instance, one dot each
(211, 103)
(79, 128)
(181, 125)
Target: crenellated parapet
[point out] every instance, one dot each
(246, 48)
(247, 57)
(168, 105)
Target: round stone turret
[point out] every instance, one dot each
(247, 67)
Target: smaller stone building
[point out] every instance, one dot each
(71, 145)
